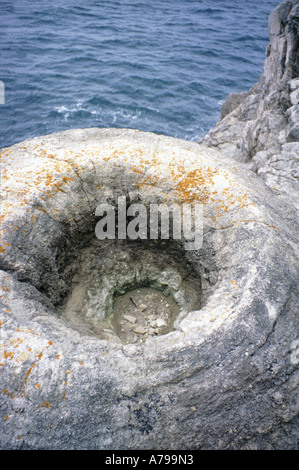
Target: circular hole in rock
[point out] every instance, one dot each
(127, 291)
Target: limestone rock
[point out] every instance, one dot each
(130, 319)
(158, 323)
(294, 84)
(225, 375)
(292, 129)
(294, 96)
(140, 330)
(142, 307)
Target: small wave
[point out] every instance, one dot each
(68, 111)
(103, 114)
(158, 66)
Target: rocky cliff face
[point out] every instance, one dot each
(261, 126)
(223, 374)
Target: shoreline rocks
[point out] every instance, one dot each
(260, 127)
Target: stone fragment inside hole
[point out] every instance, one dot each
(154, 314)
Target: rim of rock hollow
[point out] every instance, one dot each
(51, 186)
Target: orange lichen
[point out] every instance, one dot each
(30, 330)
(17, 342)
(39, 356)
(46, 404)
(4, 288)
(30, 369)
(7, 355)
(193, 185)
(49, 180)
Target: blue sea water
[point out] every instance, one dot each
(163, 66)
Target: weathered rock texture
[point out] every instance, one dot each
(261, 126)
(226, 376)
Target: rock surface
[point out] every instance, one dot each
(226, 375)
(223, 378)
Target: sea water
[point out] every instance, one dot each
(163, 66)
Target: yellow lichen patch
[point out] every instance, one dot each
(27, 182)
(190, 183)
(28, 372)
(15, 342)
(46, 404)
(49, 180)
(243, 200)
(194, 185)
(30, 330)
(5, 288)
(179, 170)
(7, 355)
